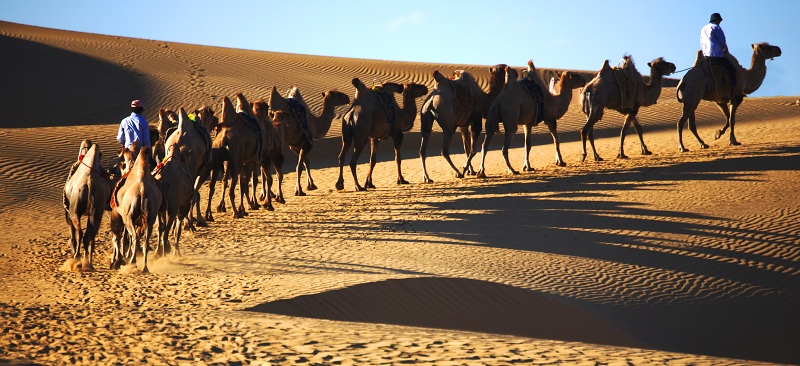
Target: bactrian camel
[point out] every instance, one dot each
(237, 141)
(194, 144)
(271, 156)
(177, 185)
(317, 126)
(137, 201)
(374, 116)
(86, 193)
(458, 103)
(624, 91)
(517, 105)
(698, 85)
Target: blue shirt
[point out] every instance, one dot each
(134, 128)
(712, 40)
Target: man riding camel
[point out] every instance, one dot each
(714, 46)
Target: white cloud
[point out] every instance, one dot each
(412, 19)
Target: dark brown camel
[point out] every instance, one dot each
(272, 156)
(374, 116)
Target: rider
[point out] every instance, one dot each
(712, 41)
(134, 127)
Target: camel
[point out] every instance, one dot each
(237, 139)
(698, 85)
(295, 135)
(369, 119)
(87, 192)
(272, 155)
(606, 90)
(167, 123)
(178, 189)
(194, 144)
(137, 200)
(459, 103)
(518, 105)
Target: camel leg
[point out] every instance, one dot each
(723, 107)
(146, 248)
(244, 194)
(266, 187)
(426, 124)
(398, 144)
(373, 159)
(347, 139)
(585, 136)
(447, 138)
(298, 191)
(552, 126)
(248, 173)
(359, 147)
(591, 142)
(92, 226)
(198, 217)
(211, 184)
(625, 124)
(640, 131)
(693, 130)
(226, 175)
(508, 137)
(734, 106)
(277, 162)
(467, 140)
(528, 142)
(73, 236)
(254, 174)
(234, 175)
(485, 150)
(475, 127)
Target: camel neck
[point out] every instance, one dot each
(755, 75)
(562, 99)
(652, 90)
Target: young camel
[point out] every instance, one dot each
(272, 156)
(605, 91)
(516, 105)
(177, 186)
(374, 116)
(87, 192)
(296, 134)
(459, 103)
(698, 85)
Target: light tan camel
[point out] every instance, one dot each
(458, 104)
(237, 141)
(193, 142)
(518, 105)
(137, 201)
(625, 92)
(296, 136)
(87, 192)
(698, 85)
(272, 156)
(373, 118)
(178, 189)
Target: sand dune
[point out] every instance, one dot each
(673, 258)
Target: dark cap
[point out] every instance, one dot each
(715, 16)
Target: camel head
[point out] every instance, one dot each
(572, 79)
(242, 105)
(84, 148)
(765, 50)
(661, 67)
(261, 110)
(335, 97)
(511, 74)
(166, 120)
(415, 90)
(497, 77)
(206, 116)
(127, 157)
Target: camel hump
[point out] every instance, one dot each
(438, 76)
(392, 88)
(605, 66)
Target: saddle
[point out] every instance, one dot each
(722, 82)
(201, 129)
(387, 101)
(256, 128)
(120, 183)
(463, 99)
(627, 87)
(299, 112)
(538, 97)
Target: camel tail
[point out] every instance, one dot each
(585, 101)
(679, 91)
(143, 204)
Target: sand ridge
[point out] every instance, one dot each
(673, 258)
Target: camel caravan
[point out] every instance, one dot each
(155, 191)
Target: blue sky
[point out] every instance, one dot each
(557, 33)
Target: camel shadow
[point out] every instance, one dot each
(96, 89)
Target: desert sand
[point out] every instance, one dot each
(673, 258)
